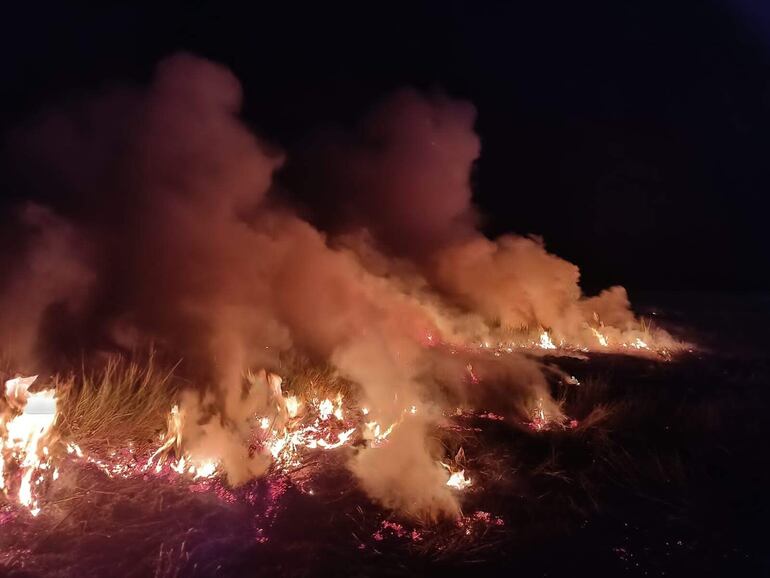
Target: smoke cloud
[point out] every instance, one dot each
(154, 219)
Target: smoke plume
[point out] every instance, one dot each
(153, 219)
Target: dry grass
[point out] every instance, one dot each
(312, 380)
(520, 334)
(125, 401)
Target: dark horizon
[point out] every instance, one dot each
(631, 138)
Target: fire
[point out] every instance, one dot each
(376, 433)
(207, 469)
(312, 430)
(293, 406)
(602, 338)
(640, 340)
(295, 426)
(539, 420)
(545, 341)
(172, 443)
(338, 413)
(342, 439)
(459, 481)
(24, 440)
(325, 409)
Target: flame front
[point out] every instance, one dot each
(296, 425)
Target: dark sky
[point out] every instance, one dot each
(633, 135)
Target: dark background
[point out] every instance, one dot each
(632, 135)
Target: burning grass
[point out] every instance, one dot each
(126, 419)
(527, 485)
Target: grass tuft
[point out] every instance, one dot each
(124, 401)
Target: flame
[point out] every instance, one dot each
(459, 481)
(545, 341)
(173, 437)
(293, 406)
(297, 426)
(24, 438)
(539, 421)
(338, 413)
(374, 432)
(602, 338)
(640, 340)
(325, 408)
(314, 430)
(16, 390)
(342, 439)
(322, 426)
(172, 442)
(206, 469)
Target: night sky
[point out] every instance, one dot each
(633, 136)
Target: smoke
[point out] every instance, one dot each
(403, 173)
(47, 278)
(405, 474)
(161, 225)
